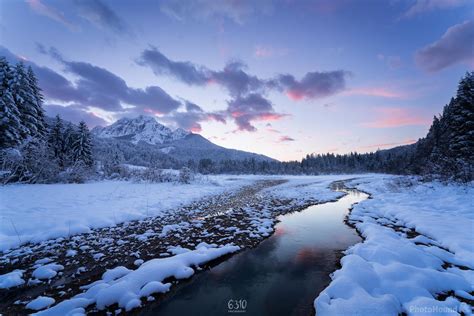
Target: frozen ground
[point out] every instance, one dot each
(417, 256)
(33, 213)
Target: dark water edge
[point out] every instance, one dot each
(281, 276)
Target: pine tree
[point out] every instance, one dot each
(462, 120)
(25, 101)
(11, 128)
(82, 145)
(56, 141)
(69, 135)
(37, 102)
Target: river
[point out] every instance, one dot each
(281, 276)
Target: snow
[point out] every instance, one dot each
(391, 272)
(306, 189)
(62, 210)
(11, 279)
(125, 287)
(141, 128)
(41, 302)
(47, 271)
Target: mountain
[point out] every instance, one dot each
(147, 132)
(142, 128)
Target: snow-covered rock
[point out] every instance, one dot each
(41, 302)
(47, 271)
(125, 287)
(11, 279)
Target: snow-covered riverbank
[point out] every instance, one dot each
(417, 256)
(34, 213)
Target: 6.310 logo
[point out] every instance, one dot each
(237, 306)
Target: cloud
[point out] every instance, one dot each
(406, 142)
(101, 88)
(375, 92)
(236, 11)
(238, 82)
(261, 51)
(251, 108)
(50, 12)
(248, 101)
(455, 46)
(192, 118)
(313, 85)
(99, 14)
(422, 6)
(395, 117)
(75, 114)
(232, 77)
(181, 70)
(286, 139)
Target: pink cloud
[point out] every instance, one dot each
(50, 12)
(272, 130)
(261, 51)
(395, 117)
(376, 92)
(286, 139)
(295, 95)
(406, 142)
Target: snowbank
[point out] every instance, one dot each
(33, 213)
(419, 243)
(126, 287)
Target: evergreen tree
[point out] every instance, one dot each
(82, 146)
(56, 141)
(25, 101)
(37, 102)
(11, 128)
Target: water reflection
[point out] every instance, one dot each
(282, 276)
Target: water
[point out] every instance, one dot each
(282, 276)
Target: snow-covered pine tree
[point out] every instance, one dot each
(462, 120)
(68, 136)
(82, 145)
(56, 141)
(25, 101)
(11, 128)
(37, 101)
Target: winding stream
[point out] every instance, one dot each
(282, 276)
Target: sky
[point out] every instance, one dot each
(280, 78)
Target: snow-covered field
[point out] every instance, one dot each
(418, 254)
(43, 211)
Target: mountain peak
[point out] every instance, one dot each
(141, 128)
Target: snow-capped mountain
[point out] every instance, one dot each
(141, 128)
(146, 131)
